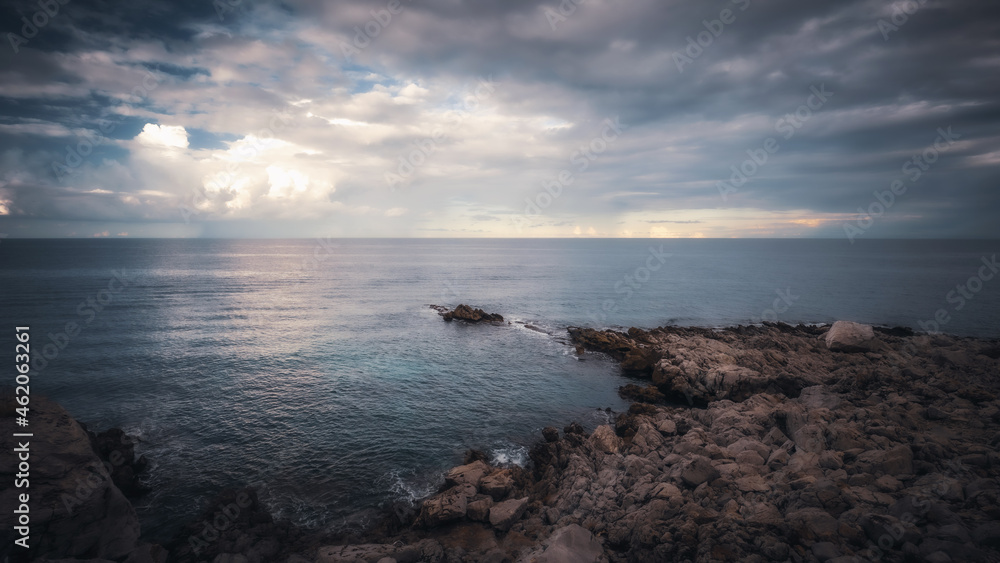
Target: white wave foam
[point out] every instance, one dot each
(509, 455)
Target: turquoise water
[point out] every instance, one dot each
(316, 370)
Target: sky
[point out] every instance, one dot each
(854, 119)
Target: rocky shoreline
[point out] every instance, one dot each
(762, 443)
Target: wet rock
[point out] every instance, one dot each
(550, 434)
(470, 315)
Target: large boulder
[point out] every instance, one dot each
(77, 511)
(504, 514)
(469, 474)
(449, 505)
(845, 336)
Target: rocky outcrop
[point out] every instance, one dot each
(469, 315)
(764, 445)
(76, 510)
(117, 450)
(796, 452)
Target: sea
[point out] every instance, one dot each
(317, 371)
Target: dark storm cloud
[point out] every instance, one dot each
(693, 111)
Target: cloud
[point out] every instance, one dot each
(163, 135)
(170, 117)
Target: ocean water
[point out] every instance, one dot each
(316, 370)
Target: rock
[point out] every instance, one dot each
(118, 450)
(148, 553)
(698, 470)
(478, 508)
(571, 544)
(605, 439)
(470, 315)
(504, 514)
(846, 336)
(449, 505)
(353, 553)
(469, 474)
(497, 484)
(885, 529)
(666, 491)
(897, 461)
(667, 427)
(987, 535)
(648, 394)
(86, 515)
(636, 358)
(825, 551)
(550, 434)
(813, 524)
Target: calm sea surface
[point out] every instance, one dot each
(315, 370)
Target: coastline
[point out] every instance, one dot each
(757, 443)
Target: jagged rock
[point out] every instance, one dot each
(449, 505)
(698, 470)
(470, 315)
(478, 508)
(605, 439)
(846, 336)
(469, 474)
(497, 484)
(504, 514)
